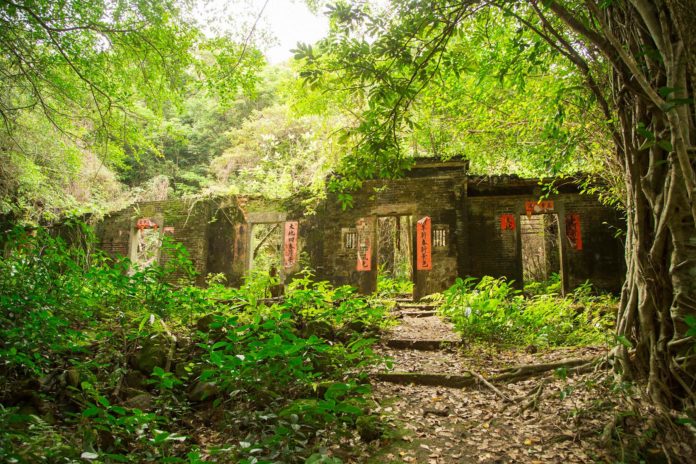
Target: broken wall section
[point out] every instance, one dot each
(589, 248)
(206, 228)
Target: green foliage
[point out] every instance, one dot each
(340, 305)
(275, 154)
(493, 310)
(436, 79)
(389, 287)
(85, 85)
(291, 375)
(550, 286)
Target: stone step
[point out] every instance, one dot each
(417, 306)
(415, 313)
(428, 379)
(423, 345)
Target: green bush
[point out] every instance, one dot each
(289, 376)
(494, 311)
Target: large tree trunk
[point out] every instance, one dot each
(650, 44)
(651, 47)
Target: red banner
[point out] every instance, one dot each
(573, 232)
(423, 245)
(538, 207)
(291, 234)
(364, 247)
(507, 222)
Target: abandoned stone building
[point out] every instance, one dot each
(433, 225)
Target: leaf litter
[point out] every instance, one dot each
(438, 425)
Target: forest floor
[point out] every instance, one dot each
(545, 418)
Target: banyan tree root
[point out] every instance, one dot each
(572, 366)
(491, 387)
(534, 396)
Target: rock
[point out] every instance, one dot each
(350, 329)
(153, 353)
(134, 379)
(142, 401)
(355, 326)
(321, 329)
(204, 322)
(72, 377)
(531, 349)
(203, 391)
(369, 428)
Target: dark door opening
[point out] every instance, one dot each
(541, 256)
(395, 255)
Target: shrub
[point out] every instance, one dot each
(75, 318)
(493, 310)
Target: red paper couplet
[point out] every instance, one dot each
(364, 247)
(507, 222)
(146, 223)
(423, 245)
(538, 207)
(573, 232)
(291, 234)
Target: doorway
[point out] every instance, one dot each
(266, 251)
(541, 252)
(395, 255)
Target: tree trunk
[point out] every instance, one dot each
(653, 85)
(651, 48)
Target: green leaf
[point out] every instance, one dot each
(91, 411)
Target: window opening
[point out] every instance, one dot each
(350, 239)
(440, 237)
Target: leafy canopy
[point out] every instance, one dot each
(82, 79)
(455, 79)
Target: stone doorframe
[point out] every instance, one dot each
(368, 280)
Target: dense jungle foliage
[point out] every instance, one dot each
(106, 363)
(493, 310)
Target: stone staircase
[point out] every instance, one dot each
(423, 349)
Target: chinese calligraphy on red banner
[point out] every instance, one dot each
(507, 222)
(538, 207)
(291, 233)
(364, 247)
(423, 245)
(573, 231)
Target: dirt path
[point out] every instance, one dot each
(440, 424)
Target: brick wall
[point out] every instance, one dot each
(496, 252)
(468, 209)
(205, 228)
(426, 192)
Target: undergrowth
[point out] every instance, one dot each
(389, 287)
(493, 310)
(104, 362)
